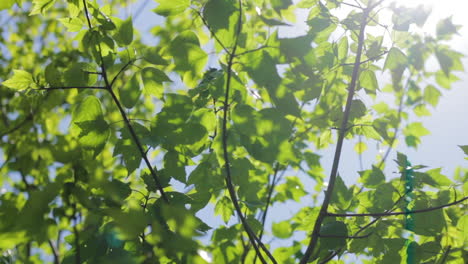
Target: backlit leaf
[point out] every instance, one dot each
(20, 80)
(173, 7)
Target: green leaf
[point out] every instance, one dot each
(368, 81)
(429, 223)
(153, 81)
(296, 47)
(52, 75)
(341, 196)
(174, 166)
(151, 54)
(360, 147)
(224, 208)
(445, 61)
(372, 178)
(438, 177)
(6, 4)
(73, 24)
(218, 12)
(395, 59)
(333, 228)
(465, 149)
(445, 28)
(170, 8)
(188, 56)
(432, 95)
(149, 182)
(41, 6)
(282, 229)
(343, 48)
(88, 121)
(124, 34)
(127, 148)
(358, 110)
(77, 75)
(131, 91)
(93, 133)
(414, 132)
(20, 80)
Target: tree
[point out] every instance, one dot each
(111, 146)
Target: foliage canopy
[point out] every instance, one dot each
(112, 146)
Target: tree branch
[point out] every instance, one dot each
(54, 252)
(120, 71)
(400, 213)
(136, 140)
(364, 61)
(339, 145)
(228, 179)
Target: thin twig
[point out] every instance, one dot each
(253, 50)
(270, 189)
(365, 61)
(352, 5)
(87, 14)
(397, 127)
(212, 32)
(54, 252)
(425, 210)
(120, 71)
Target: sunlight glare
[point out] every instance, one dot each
(439, 7)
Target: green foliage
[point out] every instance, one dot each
(194, 139)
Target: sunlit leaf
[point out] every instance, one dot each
(224, 208)
(20, 80)
(282, 229)
(41, 6)
(169, 8)
(395, 59)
